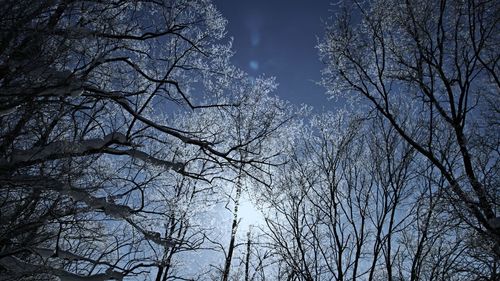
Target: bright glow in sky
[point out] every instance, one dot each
(278, 38)
(249, 214)
(254, 65)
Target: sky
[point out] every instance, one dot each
(278, 38)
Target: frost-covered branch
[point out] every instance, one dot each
(19, 268)
(60, 149)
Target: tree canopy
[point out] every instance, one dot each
(128, 139)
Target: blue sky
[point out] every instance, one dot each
(278, 38)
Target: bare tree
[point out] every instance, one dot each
(433, 64)
(355, 202)
(258, 128)
(98, 100)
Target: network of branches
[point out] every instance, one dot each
(129, 140)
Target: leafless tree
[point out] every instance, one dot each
(356, 202)
(98, 102)
(258, 128)
(435, 64)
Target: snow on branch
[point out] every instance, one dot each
(21, 268)
(153, 236)
(68, 256)
(46, 183)
(63, 149)
(111, 209)
(99, 203)
(137, 154)
(60, 149)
